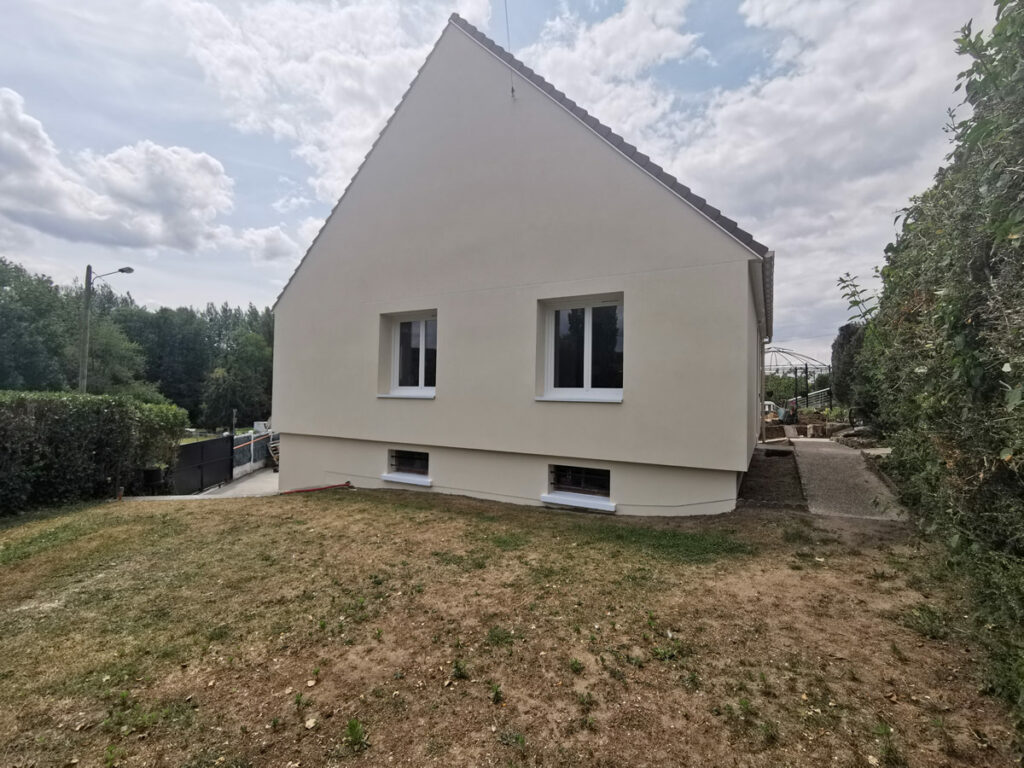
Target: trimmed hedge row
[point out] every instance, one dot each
(57, 447)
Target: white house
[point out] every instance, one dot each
(511, 302)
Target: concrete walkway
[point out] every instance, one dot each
(838, 482)
(262, 482)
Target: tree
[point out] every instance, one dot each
(242, 381)
(845, 349)
(32, 334)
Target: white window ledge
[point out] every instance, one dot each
(617, 398)
(425, 394)
(407, 477)
(583, 500)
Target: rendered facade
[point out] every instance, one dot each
(512, 303)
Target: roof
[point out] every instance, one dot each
(624, 147)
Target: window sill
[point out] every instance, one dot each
(423, 394)
(582, 500)
(408, 478)
(579, 398)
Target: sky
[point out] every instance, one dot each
(203, 142)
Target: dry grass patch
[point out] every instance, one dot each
(413, 629)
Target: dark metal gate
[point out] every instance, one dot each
(203, 464)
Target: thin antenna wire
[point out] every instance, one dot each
(508, 42)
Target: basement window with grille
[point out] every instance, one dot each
(584, 487)
(409, 467)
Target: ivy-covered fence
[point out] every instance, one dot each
(58, 447)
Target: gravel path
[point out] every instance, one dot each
(837, 481)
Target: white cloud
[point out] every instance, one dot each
(323, 77)
(262, 244)
(607, 65)
(308, 229)
(140, 196)
(290, 203)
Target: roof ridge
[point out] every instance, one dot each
(638, 158)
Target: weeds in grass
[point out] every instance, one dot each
(948, 742)
(769, 733)
(219, 632)
(497, 695)
(357, 610)
(509, 541)
(112, 755)
(125, 715)
(586, 701)
(459, 671)
(668, 544)
(499, 636)
(692, 681)
(472, 561)
(747, 709)
(676, 649)
(301, 702)
(512, 739)
(891, 756)
(794, 535)
(355, 735)
(927, 620)
(576, 666)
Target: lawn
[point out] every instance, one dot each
(374, 628)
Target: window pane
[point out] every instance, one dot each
(581, 480)
(412, 462)
(430, 364)
(606, 349)
(409, 353)
(569, 347)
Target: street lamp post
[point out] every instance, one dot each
(83, 347)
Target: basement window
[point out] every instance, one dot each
(584, 487)
(409, 467)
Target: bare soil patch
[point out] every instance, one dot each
(250, 632)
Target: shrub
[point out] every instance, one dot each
(943, 352)
(57, 447)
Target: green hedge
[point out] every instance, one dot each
(943, 358)
(57, 447)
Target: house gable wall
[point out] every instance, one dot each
(479, 205)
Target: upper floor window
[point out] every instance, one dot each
(414, 355)
(584, 349)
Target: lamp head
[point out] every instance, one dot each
(126, 270)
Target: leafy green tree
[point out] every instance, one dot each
(32, 332)
(241, 382)
(845, 348)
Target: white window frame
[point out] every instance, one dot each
(419, 391)
(586, 393)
